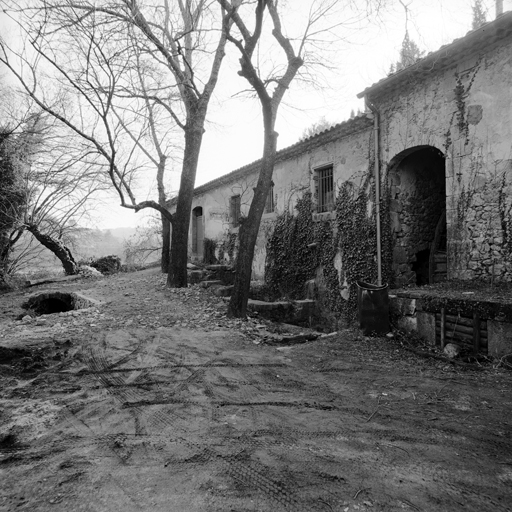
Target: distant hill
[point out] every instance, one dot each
(122, 233)
(96, 243)
(29, 256)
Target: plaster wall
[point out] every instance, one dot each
(466, 112)
(292, 177)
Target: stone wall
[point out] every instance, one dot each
(465, 112)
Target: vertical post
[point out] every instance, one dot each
(476, 333)
(376, 151)
(443, 327)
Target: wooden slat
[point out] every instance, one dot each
(476, 333)
(462, 320)
(443, 322)
(450, 327)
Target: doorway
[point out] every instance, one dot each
(197, 232)
(417, 185)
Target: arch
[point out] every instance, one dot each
(417, 184)
(197, 232)
(398, 158)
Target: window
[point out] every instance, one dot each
(324, 189)
(234, 212)
(197, 231)
(270, 205)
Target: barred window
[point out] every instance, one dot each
(235, 211)
(270, 204)
(325, 189)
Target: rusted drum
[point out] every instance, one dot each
(373, 308)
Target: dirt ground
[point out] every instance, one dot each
(155, 401)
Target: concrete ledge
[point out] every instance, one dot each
(208, 284)
(276, 311)
(401, 305)
(195, 276)
(223, 291)
(413, 316)
(260, 305)
(426, 326)
(499, 338)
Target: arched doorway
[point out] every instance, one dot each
(197, 232)
(417, 184)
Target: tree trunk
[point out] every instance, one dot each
(58, 248)
(4, 254)
(177, 277)
(248, 233)
(166, 244)
(7, 242)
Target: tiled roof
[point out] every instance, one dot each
(446, 56)
(357, 124)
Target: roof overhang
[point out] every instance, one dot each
(446, 56)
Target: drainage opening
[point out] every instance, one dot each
(49, 303)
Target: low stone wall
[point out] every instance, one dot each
(416, 312)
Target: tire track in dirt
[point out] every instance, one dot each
(203, 375)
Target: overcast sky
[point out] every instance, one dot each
(233, 135)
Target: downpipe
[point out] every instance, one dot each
(375, 114)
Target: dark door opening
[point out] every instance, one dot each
(418, 216)
(197, 232)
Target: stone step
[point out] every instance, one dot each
(218, 268)
(260, 305)
(195, 276)
(208, 284)
(223, 291)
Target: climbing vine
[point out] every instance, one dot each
(460, 97)
(209, 249)
(505, 213)
(228, 247)
(291, 257)
(328, 246)
(358, 239)
(298, 246)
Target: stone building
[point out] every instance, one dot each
(446, 147)
(444, 141)
(319, 164)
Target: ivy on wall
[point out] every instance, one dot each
(328, 247)
(357, 241)
(210, 246)
(291, 259)
(228, 248)
(298, 246)
(505, 213)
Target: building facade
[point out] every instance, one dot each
(442, 132)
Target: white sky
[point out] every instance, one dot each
(234, 135)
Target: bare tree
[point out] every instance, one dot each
(128, 68)
(479, 16)
(324, 19)
(318, 127)
(144, 243)
(12, 200)
(57, 177)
